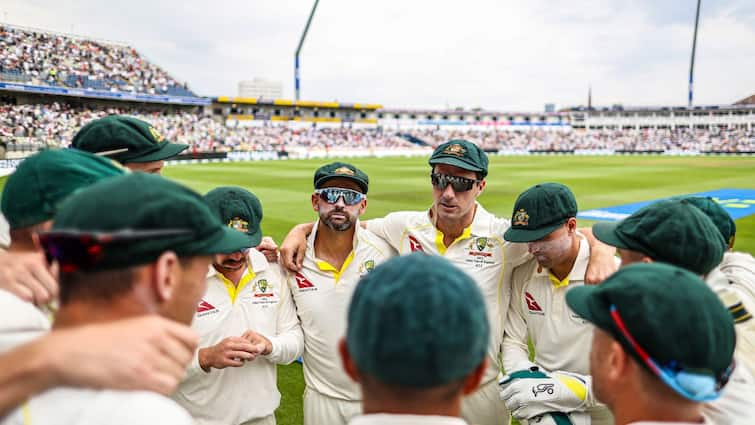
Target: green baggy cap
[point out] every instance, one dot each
(34, 191)
(540, 210)
(134, 219)
(239, 209)
(717, 215)
(670, 231)
(125, 139)
(417, 321)
(463, 154)
(344, 171)
(670, 312)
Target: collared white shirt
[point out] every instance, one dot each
(394, 419)
(261, 302)
(322, 294)
(480, 251)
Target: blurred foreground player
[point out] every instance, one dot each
(416, 341)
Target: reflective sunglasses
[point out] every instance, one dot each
(331, 195)
(695, 385)
(75, 250)
(459, 184)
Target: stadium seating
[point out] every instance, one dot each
(42, 58)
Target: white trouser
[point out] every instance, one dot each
(484, 406)
(320, 409)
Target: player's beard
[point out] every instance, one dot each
(549, 254)
(341, 226)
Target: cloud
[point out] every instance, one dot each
(493, 54)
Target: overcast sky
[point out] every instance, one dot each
(512, 55)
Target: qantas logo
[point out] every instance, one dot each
(532, 305)
(204, 306)
(302, 282)
(414, 245)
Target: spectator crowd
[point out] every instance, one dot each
(59, 60)
(55, 124)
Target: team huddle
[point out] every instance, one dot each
(129, 298)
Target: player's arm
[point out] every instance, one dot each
(146, 353)
(602, 258)
(28, 276)
(515, 350)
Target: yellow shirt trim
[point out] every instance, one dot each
(26, 413)
(558, 283)
(327, 267)
(234, 290)
(439, 239)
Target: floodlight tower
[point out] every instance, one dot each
(297, 86)
(692, 61)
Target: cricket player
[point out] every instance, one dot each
(416, 341)
(458, 228)
(338, 253)
(663, 344)
(134, 143)
(31, 197)
(733, 279)
(152, 260)
(247, 324)
(544, 217)
(679, 233)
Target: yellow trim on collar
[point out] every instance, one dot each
(439, 239)
(234, 290)
(26, 413)
(327, 267)
(558, 283)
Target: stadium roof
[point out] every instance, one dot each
(302, 103)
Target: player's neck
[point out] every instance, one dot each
(334, 246)
(639, 412)
(560, 271)
(411, 407)
(77, 313)
(453, 228)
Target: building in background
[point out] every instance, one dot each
(261, 88)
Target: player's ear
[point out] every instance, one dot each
(571, 225)
(472, 381)
(314, 202)
(166, 272)
(347, 362)
(482, 184)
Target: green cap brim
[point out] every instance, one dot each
(529, 235)
(456, 163)
(255, 238)
(361, 183)
(230, 240)
(584, 301)
(168, 150)
(606, 233)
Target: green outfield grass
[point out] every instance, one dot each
(403, 184)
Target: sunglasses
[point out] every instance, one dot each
(74, 250)
(331, 195)
(695, 385)
(459, 184)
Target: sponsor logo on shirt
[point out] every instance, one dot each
(366, 267)
(478, 246)
(262, 286)
(303, 283)
(532, 305)
(204, 308)
(414, 244)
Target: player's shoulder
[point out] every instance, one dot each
(493, 225)
(21, 322)
(523, 273)
(371, 242)
(133, 407)
(408, 218)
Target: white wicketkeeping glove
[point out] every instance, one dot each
(530, 393)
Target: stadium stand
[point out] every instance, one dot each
(36, 57)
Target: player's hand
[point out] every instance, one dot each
(146, 353)
(602, 259)
(530, 393)
(230, 352)
(294, 246)
(28, 276)
(269, 249)
(260, 342)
